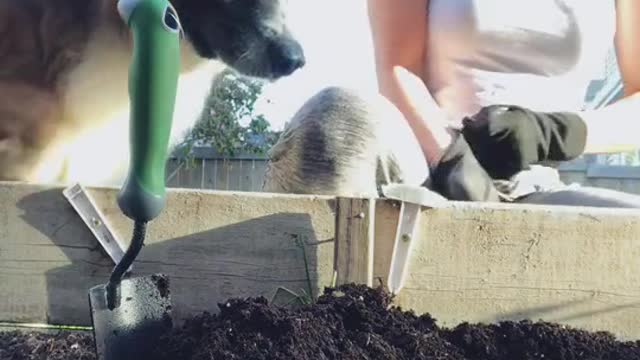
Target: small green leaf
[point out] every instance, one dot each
(230, 104)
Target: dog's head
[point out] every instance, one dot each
(248, 35)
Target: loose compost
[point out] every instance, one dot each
(347, 322)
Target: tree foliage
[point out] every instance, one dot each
(229, 122)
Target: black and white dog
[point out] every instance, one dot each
(64, 72)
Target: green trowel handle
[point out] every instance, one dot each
(153, 78)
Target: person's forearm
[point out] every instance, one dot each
(399, 34)
(409, 94)
(613, 128)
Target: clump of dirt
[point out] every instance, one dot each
(540, 340)
(355, 322)
(350, 322)
(162, 283)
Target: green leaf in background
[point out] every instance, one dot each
(229, 122)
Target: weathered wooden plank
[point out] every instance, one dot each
(473, 262)
(191, 175)
(211, 174)
(631, 186)
(235, 175)
(258, 175)
(207, 152)
(384, 235)
(223, 172)
(213, 245)
(172, 169)
(247, 173)
(485, 263)
(613, 172)
(353, 255)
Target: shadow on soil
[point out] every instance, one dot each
(250, 258)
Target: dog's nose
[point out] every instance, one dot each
(287, 56)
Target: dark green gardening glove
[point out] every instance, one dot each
(507, 139)
(458, 175)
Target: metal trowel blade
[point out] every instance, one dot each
(141, 316)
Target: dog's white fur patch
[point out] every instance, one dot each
(93, 146)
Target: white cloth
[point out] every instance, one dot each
(539, 54)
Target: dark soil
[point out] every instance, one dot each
(346, 323)
(36, 346)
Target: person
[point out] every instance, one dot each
(477, 100)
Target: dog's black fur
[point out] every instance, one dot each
(249, 35)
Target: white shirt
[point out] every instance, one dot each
(540, 54)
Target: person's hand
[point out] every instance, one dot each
(506, 139)
(455, 172)
(431, 126)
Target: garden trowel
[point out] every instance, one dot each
(412, 200)
(130, 314)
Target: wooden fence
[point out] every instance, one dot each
(622, 178)
(217, 174)
(209, 170)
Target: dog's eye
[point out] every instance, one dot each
(171, 19)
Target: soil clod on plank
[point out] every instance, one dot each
(350, 322)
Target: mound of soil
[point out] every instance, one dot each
(350, 322)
